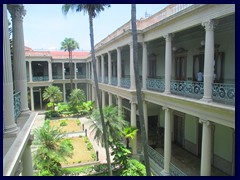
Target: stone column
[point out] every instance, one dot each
(109, 99)
(97, 66)
(50, 70)
(102, 63)
(208, 60)
(132, 75)
(10, 127)
(119, 67)
(168, 62)
(30, 71)
(27, 159)
(75, 84)
(145, 118)
(133, 124)
(144, 66)
(19, 64)
(92, 71)
(119, 105)
(167, 142)
(206, 148)
(63, 72)
(109, 68)
(64, 93)
(32, 98)
(103, 99)
(75, 72)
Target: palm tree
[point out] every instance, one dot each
(138, 88)
(52, 94)
(77, 97)
(93, 10)
(53, 149)
(115, 125)
(69, 44)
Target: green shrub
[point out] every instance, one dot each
(63, 122)
(94, 156)
(78, 122)
(63, 107)
(89, 146)
(134, 168)
(51, 114)
(86, 139)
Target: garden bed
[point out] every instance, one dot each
(72, 125)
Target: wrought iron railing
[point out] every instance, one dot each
(223, 93)
(81, 76)
(67, 76)
(57, 77)
(159, 160)
(125, 82)
(187, 88)
(114, 81)
(40, 78)
(17, 104)
(105, 80)
(156, 84)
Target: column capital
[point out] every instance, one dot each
(209, 24)
(168, 36)
(206, 122)
(17, 11)
(119, 48)
(130, 44)
(165, 108)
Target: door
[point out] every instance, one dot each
(179, 130)
(180, 68)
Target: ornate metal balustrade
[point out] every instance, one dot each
(99, 79)
(223, 93)
(40, 78)
(125, 83)
(156, 84)
(114, 81)
(67, 76)
(106, 80)
(57, 77)
(17, 104)
(187, 88)
(81, 76)
(159, 159)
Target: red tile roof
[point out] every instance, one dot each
(57, 54)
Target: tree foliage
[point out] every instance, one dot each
(52, 94)
(77, 97)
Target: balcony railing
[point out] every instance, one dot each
(99, 79)
(156, 84)
(223, 93)
(114, 81)
(17, 104)
(81, 76)
(187, 88)
(57, 77)
(125, 82)
(40, 78)
(159, 160)
(67, 76)
(105, 80)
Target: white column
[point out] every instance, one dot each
(10, 127)
(64, 93)
(93, 96)
(133, 124)
(19, 63)
(132, 75)
(167, 142)
(102, 63)
(144, 66)
(32, 98)
(145, 114)
(97, 66)
(119, 105)
(75, 84)
(119, 67)
(92, 71)
(103, 99)
(30, 71)
(208, 60)
(50, 70)
(63, 72)
(75, 68)
(168, 62)
(206, 148)
(109, 68)
(109, 99)
(27, 160)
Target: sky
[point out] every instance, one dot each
(45, 26)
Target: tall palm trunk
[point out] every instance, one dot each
(98, 94)
(138, 88)
(70, 68)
